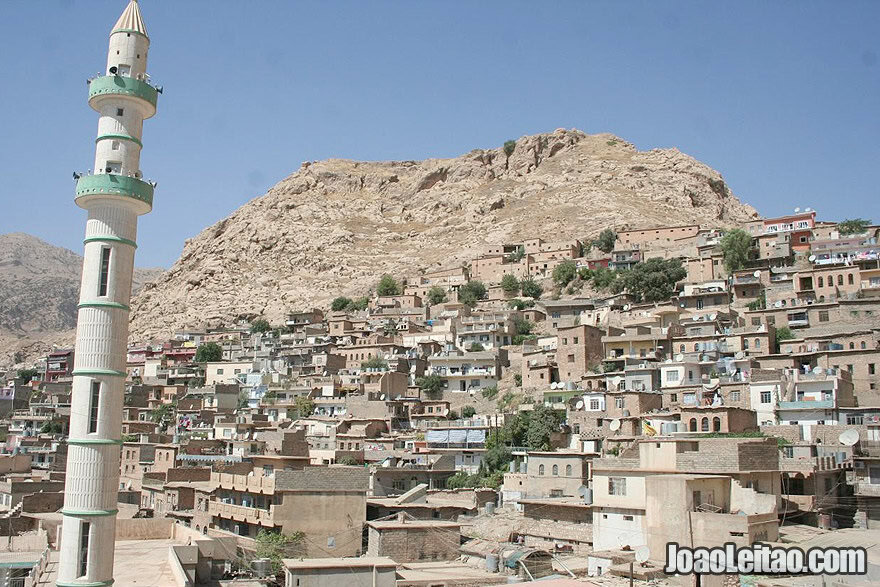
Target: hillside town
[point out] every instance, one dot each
(548, 410)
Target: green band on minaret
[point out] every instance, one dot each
(113, 305)
(120, 137)
(109, 239)
(100, 372)
(89, 513)
(92, 584)
(88, 441)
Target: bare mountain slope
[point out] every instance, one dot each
(39, 290)
(334, 226)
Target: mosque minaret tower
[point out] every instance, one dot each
(114, 195)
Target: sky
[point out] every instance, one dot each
(782, 97)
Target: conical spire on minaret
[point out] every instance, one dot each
(131, 20)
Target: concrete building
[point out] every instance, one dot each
(406, 540)
(332, 572)
(114, 196)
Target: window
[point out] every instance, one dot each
(756, 321)
(849, 279)
(704, 425)
(849, 368)
(765, 397)
(745, 344)
(594, 404)
(840, 280)
(852, 345)
(105, 271)
(692, 425)
(627, 518)
(575, 340)
(823, 316)
(568, 470)
(616, 486)
(871, 369)
(862, 345)
(120, 112)
(114, 145)
(821, 282)
(716, 424)
(84, 528)
(855, 419)
(564, 341)
(673, 397)
(618, 402)
(672, 375)
(734, 396)
(571, 358)
(555, 470)
(771, 320)
(540, 469)
(220, 371)
(757, 343)
(93, 407)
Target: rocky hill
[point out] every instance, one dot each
(39, 289)
(334, 226)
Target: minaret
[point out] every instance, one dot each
(114, 196)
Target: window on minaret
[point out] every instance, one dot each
(84, 547)
(119, 112)
(93, 407)
(115, 145)
(105, 271)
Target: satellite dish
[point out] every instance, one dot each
(582, 490)
(796, 210)
(679, 358)
(849, 437)
(626, 308)
(757, 274)
(812, 258)
(643, 553)
(382, 397)
(817, 370)
(579, 405)
(614, 425)
(739, 355)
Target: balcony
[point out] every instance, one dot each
(113, 184)
(240, 513)
(244, 483)
(118, 85)
(872, 489)
(807, 405)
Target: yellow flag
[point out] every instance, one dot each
(648, 429)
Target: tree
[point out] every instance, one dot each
(27, 375)
(853, 226)
(541, 423)
(374, 363)
(471, 292)
(783, 333)
(736, 247)
(210, 352)
(432, 385)
(509, 146)
(521, 305)
(468, 411)
(605, 242)
(517, 255)
(452, 415)
(522, 326)
(654, 280)
(489, 392)
(388, 286)
(260, 325)
(360, 304)
(605, 278)
(340, 303)
(564, 273)
(530, 288)
(348, 460)
(163, 415)
(436, 295)
(509, 284)
(276, 546)
(476, 347)
(305, 407)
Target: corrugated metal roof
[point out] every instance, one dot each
(131, 20)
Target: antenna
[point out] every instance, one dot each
(849, 437)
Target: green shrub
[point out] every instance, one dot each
(388, 286)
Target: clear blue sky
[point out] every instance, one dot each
(783, 98)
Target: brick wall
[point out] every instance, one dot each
(415, 544)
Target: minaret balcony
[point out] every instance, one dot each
(111, 184)
(119, 85)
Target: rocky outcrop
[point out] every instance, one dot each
(334, 226)
(39, 290)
